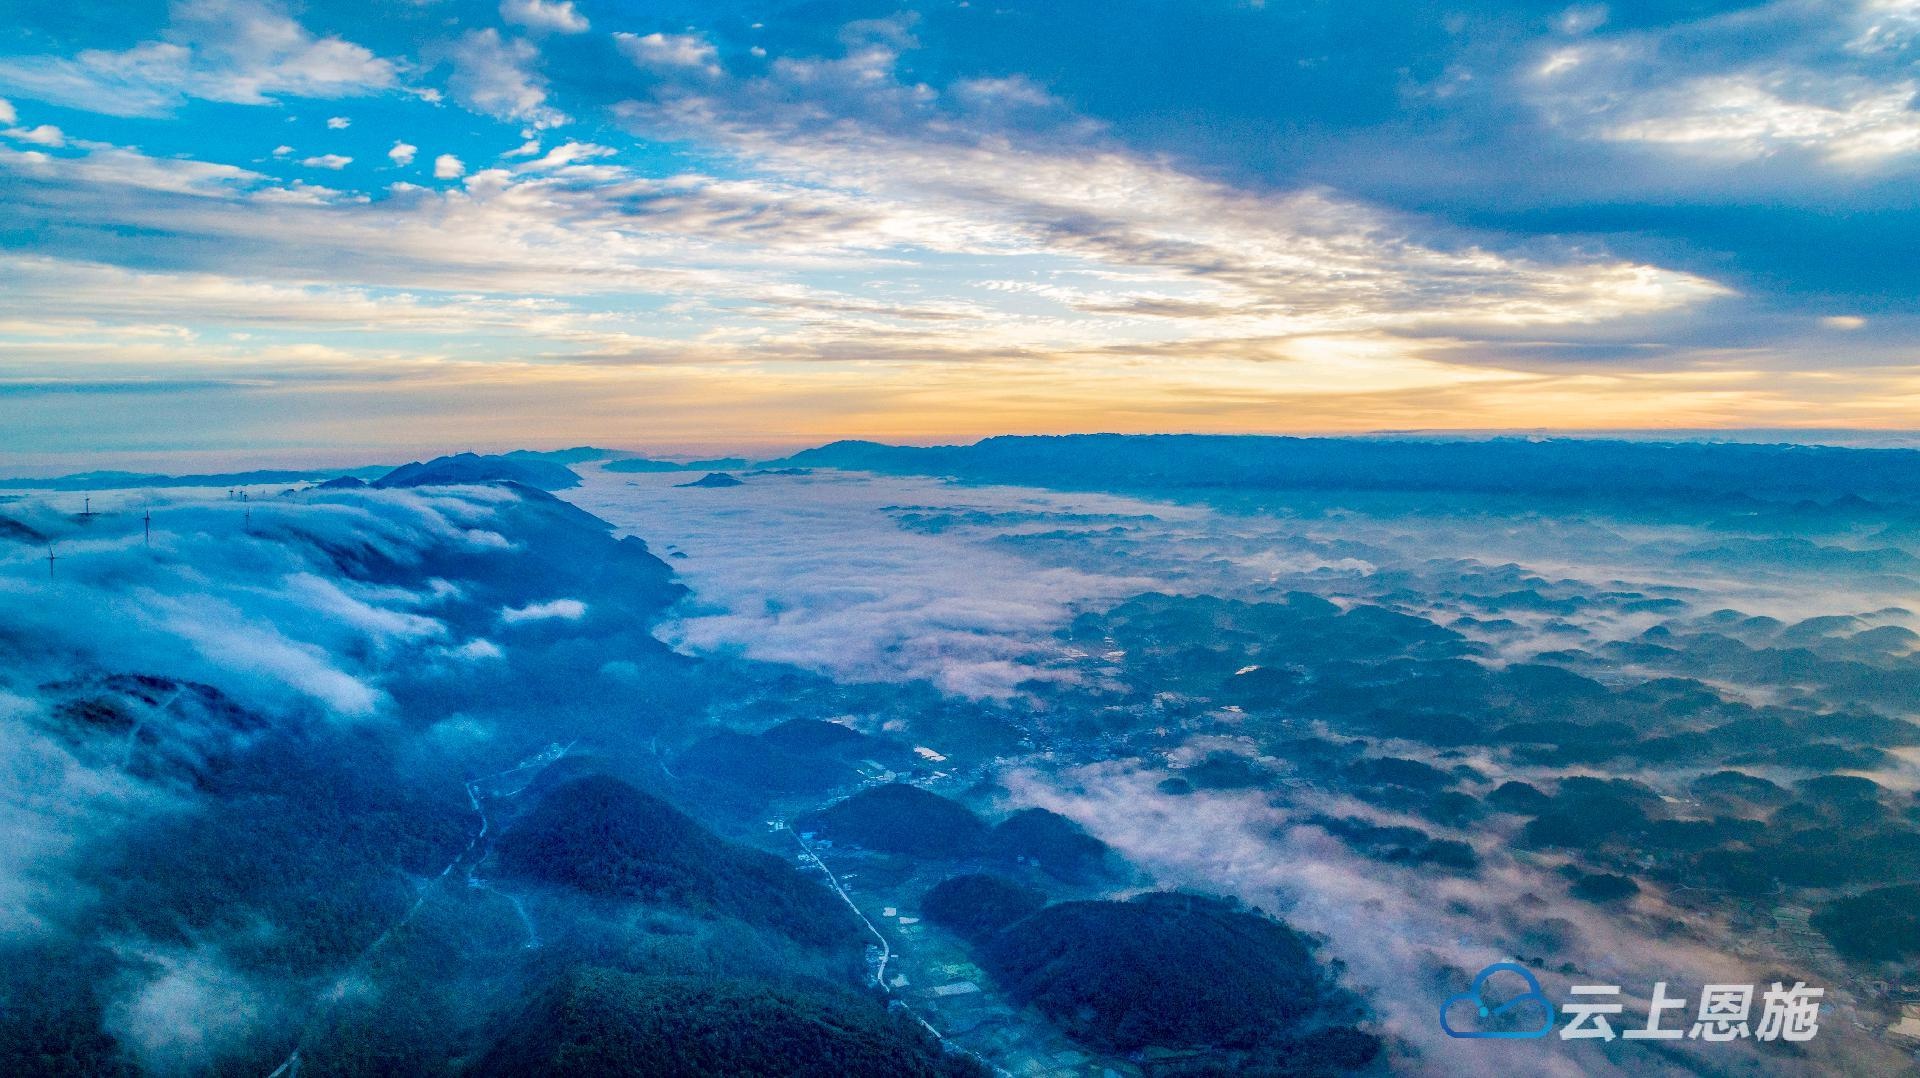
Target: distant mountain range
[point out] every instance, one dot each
(579, 454)
(537, 470)
(1582, 467)
(107, 480)
(1514, 466)
(520, 465)
(641, 464)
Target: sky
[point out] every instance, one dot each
(246, 229)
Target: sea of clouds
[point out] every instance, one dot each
(966, 586)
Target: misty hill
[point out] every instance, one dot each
(602, 837)
(713, 479)
(1398, 844)
(1522, 798)
(604, 1022)
(18, 532)
(898, 818)
(153, 727)
(1740, 786)
(815, 736)
(1881, 925)
(1174, 971)
(556, 550)
(1053, 843)
(977, 905)
(642, 464)
(473, 468)
(1559, 466)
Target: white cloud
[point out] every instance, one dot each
(551, 610)
(7, 115)
(282, 150)
(1229, 262)
(671, 52)
(1014, 91)
(555, 16)
(119, 167)
(529, 148)
(1818, 86)
(369, 612)
(402, 153)
(1742, 117)
(1886, 26)
(567, 154)
(496, 77)
(477, 650)
(332, 161)
(191, 1009)
(247, 52)
(338, 123)
(49, 798)
(813, 571)
(1581, 19)
(43, 135)
(1150, 251)
(1250, 291)
(222, 631)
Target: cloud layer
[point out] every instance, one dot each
(1552, 221)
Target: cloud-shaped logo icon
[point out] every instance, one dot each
(1507, 1020)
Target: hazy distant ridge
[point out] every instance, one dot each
(1499, 466)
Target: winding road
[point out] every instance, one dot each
(886, 948)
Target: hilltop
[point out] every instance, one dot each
(713, 479)
(473, 468)
(898, 818)
(601, 836)
(1109, 973)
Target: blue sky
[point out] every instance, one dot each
(247, 228)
